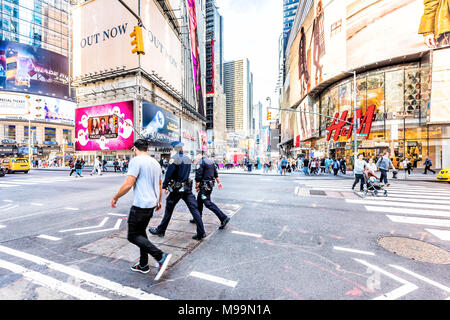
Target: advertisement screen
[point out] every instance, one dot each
(159, 126)
(25, 68)
(20, 106)
(195, 55)
(338, 36)
(104, 127)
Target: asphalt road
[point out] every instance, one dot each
(294, 237)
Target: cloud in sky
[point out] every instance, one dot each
(251, 30)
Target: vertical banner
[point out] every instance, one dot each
(195, 55)
(440, 84)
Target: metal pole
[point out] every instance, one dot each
(29, 141)
(355, 150)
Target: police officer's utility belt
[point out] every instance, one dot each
(179, 186)
(208, 185)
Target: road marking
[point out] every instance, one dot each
(441, 234)
(215, 279)
(8, 201)
(72, 209)
(410, 200)
(407, 287)
(118, 215)
(425, 221)
(247, 234)
(399, 204)
(87, 228)
(7, 185)
(433, 283)
(8, 208)
(37, 204)
(43, 236)
(1, 226)
(354, 251)
(421, 212)
(116, 227)
(51, 283)
(89, 278)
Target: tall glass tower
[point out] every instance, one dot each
(40, 23)
(289, 11)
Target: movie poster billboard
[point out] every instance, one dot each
(195, 55)
(440, 86)
(203, 140)
(25, 68)
(338, 36)
(104, 127)
(161, 127)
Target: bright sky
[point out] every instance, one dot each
(252, 30)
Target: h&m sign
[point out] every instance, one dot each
(339, 124)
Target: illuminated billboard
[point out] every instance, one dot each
(25, 68)
(105, 46)
(195, 55)
(41, 108)
(337, 36)
(104, 127)
(160, 126)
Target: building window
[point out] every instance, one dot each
(10, 132)
(50, 135)
(67, 135)
(33, 134)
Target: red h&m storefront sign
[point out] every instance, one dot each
(339, 124)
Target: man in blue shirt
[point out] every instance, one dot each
(284, 164)
(180, 186)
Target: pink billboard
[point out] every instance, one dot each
(104, 127)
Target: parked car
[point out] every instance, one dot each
(444, 175)
(16, 165)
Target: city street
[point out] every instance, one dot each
(289, 238)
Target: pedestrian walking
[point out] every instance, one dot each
(104, 163)
(407, 165)
(322, 165)
(335, 167)
(180, 186)
(116, 165)
(78, 167)
(284, 163)
(97, 166)
(145, 176)
(359, 168)
(428, 165)
(328, 163)
(343, 164)
(384, 164)
(205, 177)
(306, 166)
(124, 166)
(72, 168)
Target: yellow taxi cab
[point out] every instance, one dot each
(16, 165)
(444, 175)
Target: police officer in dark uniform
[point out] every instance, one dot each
(180, 186)
(205, 177)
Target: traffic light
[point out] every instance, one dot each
(269, 115)
(138, 41)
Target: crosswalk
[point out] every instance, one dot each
(13, 182)
(425, 205)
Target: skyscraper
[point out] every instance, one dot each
(289, 11)
(238, 84)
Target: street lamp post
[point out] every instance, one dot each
(355, 140)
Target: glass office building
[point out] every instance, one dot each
(34, 78)
(40, 23)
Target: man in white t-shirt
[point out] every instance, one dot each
(144, 175)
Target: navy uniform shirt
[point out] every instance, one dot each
(178, 170)
(206, 170)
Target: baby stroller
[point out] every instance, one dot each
(373, 186)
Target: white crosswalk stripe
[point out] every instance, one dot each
(422, 205)
(11, 182)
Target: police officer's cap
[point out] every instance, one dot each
(177, 144)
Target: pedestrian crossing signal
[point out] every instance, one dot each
(269, 115)
(138, 41)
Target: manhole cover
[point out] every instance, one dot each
(415, 250)
(317, 193)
